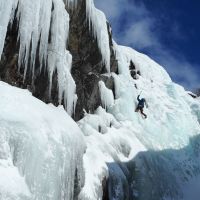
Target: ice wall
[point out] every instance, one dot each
(167, 102)
(41, 149)
(145, 158)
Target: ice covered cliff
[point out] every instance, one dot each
(63, 52)
(41, 148)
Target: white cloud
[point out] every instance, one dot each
(114, 9)
(140, 35)
(111, 8)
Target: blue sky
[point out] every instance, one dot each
(166, 30)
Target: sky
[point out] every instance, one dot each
(166, 30)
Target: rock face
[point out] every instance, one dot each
(87, 67)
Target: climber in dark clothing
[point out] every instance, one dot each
(140, 106)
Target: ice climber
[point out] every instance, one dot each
(140, 106)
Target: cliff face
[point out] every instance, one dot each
(87, 65)
(63, 52)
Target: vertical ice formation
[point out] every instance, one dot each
(36, 20)
(107, 97)
(58, 57)
(41, 149)
(71, 3)
(98, 26)
(6, 8)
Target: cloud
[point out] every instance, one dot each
(114, 8)
(111, 8)
(117, 9)
(140, 35)
(134, 25)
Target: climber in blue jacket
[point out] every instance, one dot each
(140, 106)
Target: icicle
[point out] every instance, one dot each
(36, 20)
(44, 26)
(107, 97)
(117, 85)
(6, 8)
(14, 7)
(34, 24)
(71, 3)
(98, 21)
(58, 58)
(28, 23)
(75, 101)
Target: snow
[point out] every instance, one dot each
(149, 69)
(41, 148)
(116, 143)
(11, 183)
(38, 21)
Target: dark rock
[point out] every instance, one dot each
(87, 67)
(113, 61)
(193, 95)
(133, 71)
(132, 66)
(121, 183)
(105, 189)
